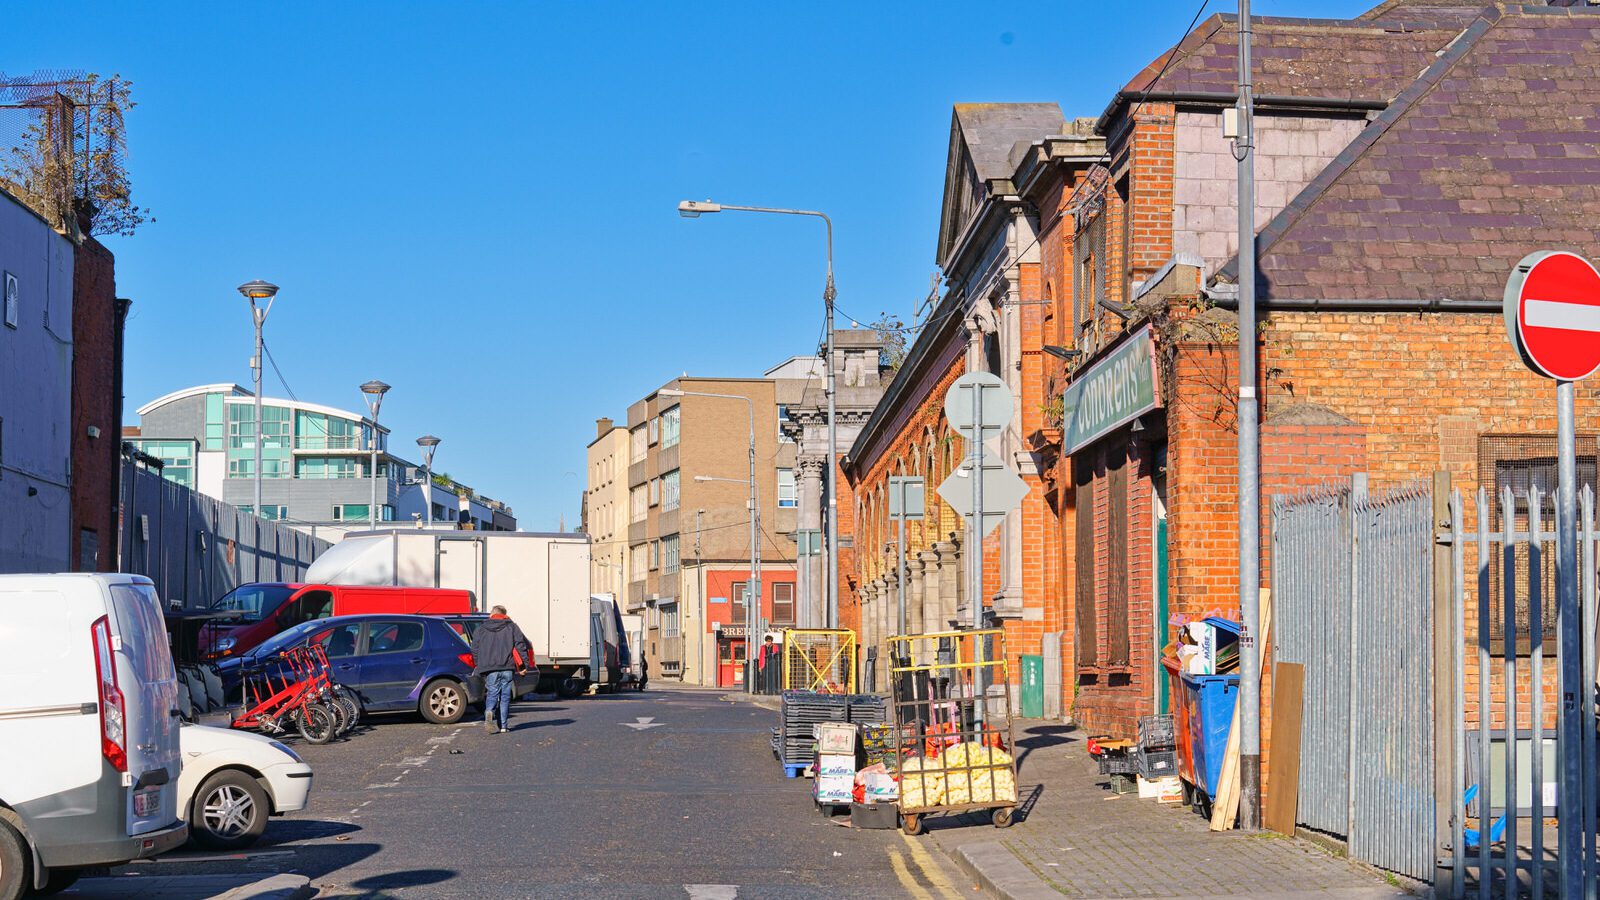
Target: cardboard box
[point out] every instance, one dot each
(835, 788)
(1164, 790)
(837, 764)
(836, 737)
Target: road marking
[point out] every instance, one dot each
(640, 723)
(387, 785)
(930, 870)
(1557, 314)
(442, 739)
(903, 875)
(712, 891)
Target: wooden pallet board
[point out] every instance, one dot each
(1283, 798)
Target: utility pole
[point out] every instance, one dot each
(1249, 451)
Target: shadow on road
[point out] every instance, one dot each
(539, 723)
(1040, 737)
(375, 885)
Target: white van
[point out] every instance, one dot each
(89, 757)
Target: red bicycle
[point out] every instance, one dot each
(294, 691)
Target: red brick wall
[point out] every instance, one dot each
(96, 401)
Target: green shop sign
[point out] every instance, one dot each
(1111, 393)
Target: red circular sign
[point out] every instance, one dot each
(1552, 311)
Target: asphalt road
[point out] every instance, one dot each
(578, 801)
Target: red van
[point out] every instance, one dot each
(268, 608)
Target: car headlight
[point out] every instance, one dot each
(287, 751)
(224, 645)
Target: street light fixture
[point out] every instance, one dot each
(428, 443)
(691, 209)
(752, 607)
(373, 391)
(256, 292)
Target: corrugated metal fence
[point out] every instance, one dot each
(196, 548)
(1352, 579)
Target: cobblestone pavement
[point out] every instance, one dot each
(1080, 840)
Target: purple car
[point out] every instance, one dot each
(394, 663)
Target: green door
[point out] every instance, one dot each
(1163, 702)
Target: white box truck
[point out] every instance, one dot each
(542, 579)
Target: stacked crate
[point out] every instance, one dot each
(1157, 752)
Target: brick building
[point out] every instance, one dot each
(1404, 171)
(98, 319)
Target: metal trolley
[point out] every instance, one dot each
(939, 692)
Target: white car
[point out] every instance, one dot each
(232, 781)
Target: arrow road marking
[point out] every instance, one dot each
(640, 723)
(712, 891)
(1557, 314)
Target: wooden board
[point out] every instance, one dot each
(1283, 796)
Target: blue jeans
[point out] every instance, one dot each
(497, 695)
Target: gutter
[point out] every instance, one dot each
(1230, 300)
(1228, 98)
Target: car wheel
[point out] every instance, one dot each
(444, 702)
(229, 811)
(570, 688)
(15, 878)
(58, 880)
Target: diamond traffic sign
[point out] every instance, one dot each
(1552, 313)
(978, 395)
(1003, 489)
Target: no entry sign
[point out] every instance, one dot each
(1552, 310)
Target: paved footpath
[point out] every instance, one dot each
(1077, 839)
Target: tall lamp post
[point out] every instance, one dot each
(428, 443)
(691, 209)
(752, 612)
(373, 391)
(260, 294)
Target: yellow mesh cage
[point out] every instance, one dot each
(819, 659)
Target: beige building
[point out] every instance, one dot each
(688, 522)
(605, 509)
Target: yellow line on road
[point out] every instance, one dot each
(903, 874)
(930, 869)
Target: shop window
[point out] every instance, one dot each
(782, 603)
(1084, 599)
(1116, 558)
(1521, 462)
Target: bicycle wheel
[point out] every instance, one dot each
(315, 723)
(347, 699)
(341, 721)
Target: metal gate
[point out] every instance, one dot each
(1352, 588)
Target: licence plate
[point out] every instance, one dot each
(147, 802)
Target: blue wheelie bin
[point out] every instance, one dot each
(1211, 700)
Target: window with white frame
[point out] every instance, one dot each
(669, 427)
(636, 498)
(636, 440)
(655, 430)
(655, 554)
(783, 416)
(670, 622)
(637, 560)
(669, 491)
(655, 491)
(669, 555)
(786, 489)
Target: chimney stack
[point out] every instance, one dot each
(601, 426)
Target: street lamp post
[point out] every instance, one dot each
(691, 209)
(374, 391)
(256, 292)
(428, 443)
(752, 611)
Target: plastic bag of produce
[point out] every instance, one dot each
(978, 774)
(920, 789)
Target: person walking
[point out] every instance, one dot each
(499, 648)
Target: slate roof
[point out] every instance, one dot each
(1346, 59)
(1456, 14)
(1490, 155)
(990, 130)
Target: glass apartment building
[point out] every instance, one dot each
(315, 461)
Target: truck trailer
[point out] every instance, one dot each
(542, 579)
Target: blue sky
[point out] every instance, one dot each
(476, 202)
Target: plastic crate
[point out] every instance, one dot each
(1154, 764)
(1114, 763)
(1157, 732)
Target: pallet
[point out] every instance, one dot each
(795, 770)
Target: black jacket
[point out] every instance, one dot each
(493, 643)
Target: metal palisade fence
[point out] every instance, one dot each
(1503, 585)
(1352, 592)
(197, 548)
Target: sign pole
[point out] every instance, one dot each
(1569, 801)
(975, 596)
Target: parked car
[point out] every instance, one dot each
(466, 624)
(89, 761)
(394, 663)
(265, 609)
(232, 781)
